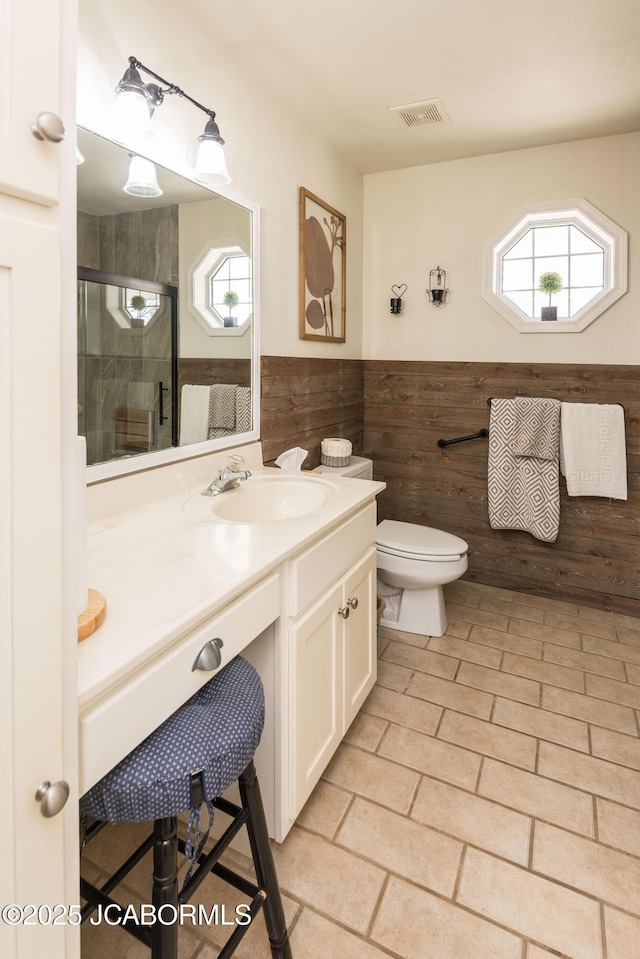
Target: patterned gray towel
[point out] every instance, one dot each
(537, 427)
(222, 406)
(524, 491)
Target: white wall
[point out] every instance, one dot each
(201, 225)
(442, 214)
(271, 151)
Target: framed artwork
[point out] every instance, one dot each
(323, 247)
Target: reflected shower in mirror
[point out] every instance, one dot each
(166, 313)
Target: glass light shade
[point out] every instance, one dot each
(142, 178)
(133, 119)
(211, 166)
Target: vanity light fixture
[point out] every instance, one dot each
(437, 291)
(135, 106)
(142, 178)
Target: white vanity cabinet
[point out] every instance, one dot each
(296, 597)
(332, 646)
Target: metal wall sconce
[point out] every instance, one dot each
(396, 300)
(437, 291)
(135, 106)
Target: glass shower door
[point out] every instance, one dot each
(127, 365)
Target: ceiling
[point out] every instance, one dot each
(510, 74)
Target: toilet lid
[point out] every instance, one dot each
(419, 540)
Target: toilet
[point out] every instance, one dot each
(414, 563)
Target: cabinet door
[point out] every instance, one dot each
(359, 652)
(29, 85)
(317, 714)
(35, 713)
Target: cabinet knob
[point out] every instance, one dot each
(209, 657)
(52, 798)
(48, 126)
(353, 603)
(344, 612)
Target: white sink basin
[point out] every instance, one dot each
(265, 499)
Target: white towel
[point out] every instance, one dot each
(592, 450)
(194, 414)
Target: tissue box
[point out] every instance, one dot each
(335, 452)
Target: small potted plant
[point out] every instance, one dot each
(230, 299)
(550, 283)
(137, 306)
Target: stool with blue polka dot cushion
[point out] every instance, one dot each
(187, 763)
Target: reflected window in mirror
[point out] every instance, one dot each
(555, 267)
(223, 290)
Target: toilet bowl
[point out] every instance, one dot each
(414, 563)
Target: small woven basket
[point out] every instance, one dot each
(335, 452)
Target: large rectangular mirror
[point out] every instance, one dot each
(167, 313)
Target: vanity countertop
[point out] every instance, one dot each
(164, 569)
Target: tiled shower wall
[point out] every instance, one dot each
(395, 412)
(118, 367)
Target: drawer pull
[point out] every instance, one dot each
(344, 612)
(209, 657)
(353, 603)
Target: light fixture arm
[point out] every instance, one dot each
(155, 94)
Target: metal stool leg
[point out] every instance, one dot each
(164, 935)
(264, 865)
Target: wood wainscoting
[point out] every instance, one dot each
(410, 405)
(305, 400)
(208, 372)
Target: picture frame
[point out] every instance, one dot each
(322, 284)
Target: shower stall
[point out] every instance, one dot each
(127, 365)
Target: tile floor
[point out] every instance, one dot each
(485, 804)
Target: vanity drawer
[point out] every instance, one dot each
(314, 570)
(112, 727)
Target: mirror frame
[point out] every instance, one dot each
(173, 454)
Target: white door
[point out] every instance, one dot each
(38, 722)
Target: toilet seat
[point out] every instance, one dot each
(419, 543)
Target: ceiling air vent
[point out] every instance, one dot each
(420, 114)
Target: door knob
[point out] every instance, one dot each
(209, 657)
(344, 612)
(52, 798)
(48, 126)
(353, 603)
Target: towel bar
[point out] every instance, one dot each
(490, 398)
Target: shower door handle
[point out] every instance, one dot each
(161, 390)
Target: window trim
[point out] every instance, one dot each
(199, 284)
(587, 218)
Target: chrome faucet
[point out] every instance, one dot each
(228, 478)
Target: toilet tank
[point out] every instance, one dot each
(359, 467)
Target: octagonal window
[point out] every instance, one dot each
(222, 290)
(555, 267)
